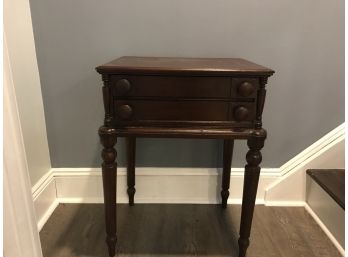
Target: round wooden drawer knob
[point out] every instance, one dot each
(124, 111)
(246, 89)
(241, 113)
(123, 86)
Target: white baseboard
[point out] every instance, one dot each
(325, 229)
(45, 199)
(155, 185)
(285, 203)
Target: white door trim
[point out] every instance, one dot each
(21, 237)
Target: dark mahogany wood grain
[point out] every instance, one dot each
(185, 132)
(131, 144)
(183, 66)
(261, 96)
(188, 113)
(178, 86)
(107, 99)
(251, 180)
(183, 98)
(173, 110)
(109, 170)
(244, 87)
(226, 171)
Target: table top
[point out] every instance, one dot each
(190, 66)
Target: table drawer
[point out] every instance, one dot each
(171, 110)
(189, 111)
(162, 86)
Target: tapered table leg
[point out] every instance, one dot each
(251, 180)
(226, 171)
(131, 142)
(109, 170)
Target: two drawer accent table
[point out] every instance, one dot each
(183, 98)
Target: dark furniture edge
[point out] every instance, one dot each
(311, 173)
(160, 132)
(139, 71)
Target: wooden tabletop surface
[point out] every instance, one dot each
(170, 65)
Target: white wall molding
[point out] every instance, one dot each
(21, 237)
(314, 150)
(26, 80)
(325, 229)
(327, 152)
(42, 184)
(45, 199)
(153, 171)
(154, 185)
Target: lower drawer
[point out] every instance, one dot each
(130, 111)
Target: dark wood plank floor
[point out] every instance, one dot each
(156, 230)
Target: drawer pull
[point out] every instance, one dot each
(124, 111)
(123, 86)
(246, 89)
(241, 113)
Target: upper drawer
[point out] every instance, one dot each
(189, 87)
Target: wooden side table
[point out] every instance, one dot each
(183, 98)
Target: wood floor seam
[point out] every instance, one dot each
(183, 230)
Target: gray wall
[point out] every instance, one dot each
(303, 41)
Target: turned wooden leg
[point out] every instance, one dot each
(226, 171)
(131, 168)
(109, 170)
(251, 180)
